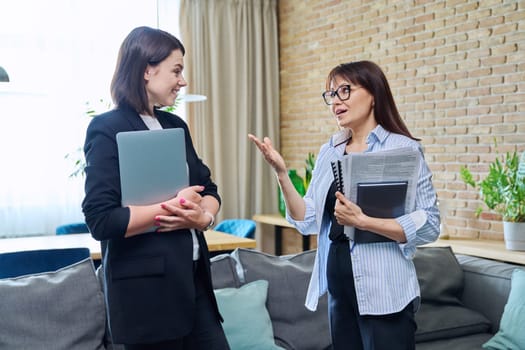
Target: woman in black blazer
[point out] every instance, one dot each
(158, 285)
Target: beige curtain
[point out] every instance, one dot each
(232, 58)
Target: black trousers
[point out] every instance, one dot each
(348, 329)
(207, 333)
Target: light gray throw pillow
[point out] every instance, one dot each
(57, 310)
(294, 326)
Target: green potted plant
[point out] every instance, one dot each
(300, 184)
(308, 169)
(503, 191)
(77, 156)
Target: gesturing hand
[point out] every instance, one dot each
(271, 156)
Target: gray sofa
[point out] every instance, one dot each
(472, 319)
(462, 303)
(463, 297)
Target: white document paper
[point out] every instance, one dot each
(401, 164)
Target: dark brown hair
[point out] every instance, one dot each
(368, 75)
(142, 46)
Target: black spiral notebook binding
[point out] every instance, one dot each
(338, 176)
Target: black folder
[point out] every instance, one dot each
(380, 200)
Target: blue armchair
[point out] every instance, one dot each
(238, 227)
(75, 227)
(37, 261)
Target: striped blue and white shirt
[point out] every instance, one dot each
(384, 274)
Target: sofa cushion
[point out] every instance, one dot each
(439, 274)
(511, 333)
(491, 277)
(294, 326)
(467, 342)
(248, 326)
(438, 321)
(223, 272)
(62, 309)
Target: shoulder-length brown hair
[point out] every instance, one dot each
(142, 46)
(368, 75)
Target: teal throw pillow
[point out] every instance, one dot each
(247, 323)
(511, 334)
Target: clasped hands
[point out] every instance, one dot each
(183, 211)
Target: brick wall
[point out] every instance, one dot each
(456, 68)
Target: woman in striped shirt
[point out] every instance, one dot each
(373, 292)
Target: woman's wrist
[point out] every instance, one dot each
(282, 176)
(212, 220)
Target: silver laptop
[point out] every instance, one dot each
(152, 164)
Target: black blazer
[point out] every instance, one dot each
(150, 291)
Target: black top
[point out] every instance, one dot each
(336, 230)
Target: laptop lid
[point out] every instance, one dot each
(152, 165)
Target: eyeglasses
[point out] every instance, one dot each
(342, 93)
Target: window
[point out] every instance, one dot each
(59, 55)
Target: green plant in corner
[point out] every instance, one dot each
(503, 188)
